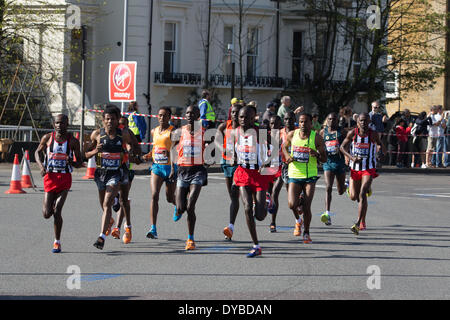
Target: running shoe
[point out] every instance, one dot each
(254, 253)
(355, 229)
(56, 247)
(325, 218)
(228, 233)
(298, 229)
(111, 223)
(152, 234)
(100, 243)
(127, 235)
(190, 245)
(115, 233)
(175, 216)
(306, 238)
(362, 226)
(273, 227)
(269, 203)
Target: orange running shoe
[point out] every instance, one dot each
(56, 247)
(111, 223)
(115, 233)
(127, 235)
(306, 238)
(298, 229)
(228, 233)
(190, 245)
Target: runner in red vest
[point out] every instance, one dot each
(363, 162)
(58, 149)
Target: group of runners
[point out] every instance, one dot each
(256, 162)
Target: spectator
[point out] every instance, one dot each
(270, 111)
(207, 113)
(316, 126)
(410, 120)
(438, 158)
(435, 130)
(136, 124)
(377, 118)
(419, 132)
(286, 107)
(346, 118)
(402, 132)
(447, 142)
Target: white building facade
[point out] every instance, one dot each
(270, 61)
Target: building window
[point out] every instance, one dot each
(252, 52)
(297, 57)
(321, 53)
(170, 48)
(357, 58)
(228, 44)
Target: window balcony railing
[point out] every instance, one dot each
(220, 80)
(194, 79)
(254, 82)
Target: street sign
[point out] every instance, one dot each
(122, 81)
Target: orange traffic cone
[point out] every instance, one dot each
(90, 169)
(26, 174)
(15, 185)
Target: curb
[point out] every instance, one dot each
(442, 171)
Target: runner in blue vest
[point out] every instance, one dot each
(333, 136)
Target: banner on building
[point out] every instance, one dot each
(122, 81)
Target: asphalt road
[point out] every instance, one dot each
(407, 244)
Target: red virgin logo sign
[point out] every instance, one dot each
(122, 81)
(122, 77)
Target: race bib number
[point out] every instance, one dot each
(247, 153)
(362, 150)
(110, 161)
(161, 156)
(191, 151)
(301, 154)
(332, 147)
(58, 161)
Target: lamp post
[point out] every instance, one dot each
(125, 36)
(233, 68)
(83, 83)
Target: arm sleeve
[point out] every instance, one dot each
(203, 108)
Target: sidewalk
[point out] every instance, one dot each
(142, 169)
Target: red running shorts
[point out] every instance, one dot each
(251, 178)
(357, 175)
(57, 182)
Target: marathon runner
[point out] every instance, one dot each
(58, 149)
(249, 152)
(162, 167)
(335, 166)
(192, 174)
(225, 130)
(107, 146)
(363, 143)
(276, 183)
(122, 197)
(307, 148)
